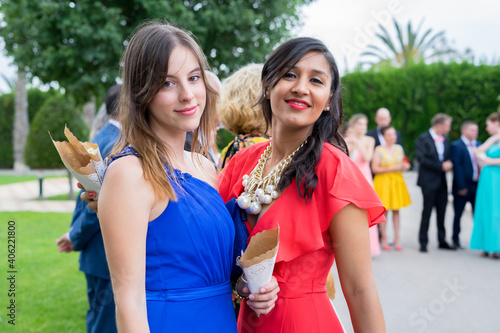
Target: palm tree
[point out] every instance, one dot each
(414, 48)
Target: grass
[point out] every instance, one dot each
(63, 196)
(7, 179)
(50, 290)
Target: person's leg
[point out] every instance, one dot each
(472, 196)
(383, 233)
(429, 197)
(395, 221)
(101, 313)
(441, 203)
(459, 202)
(91, 291)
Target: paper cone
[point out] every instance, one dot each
(330, 288)
(83, 160)
(259, 258)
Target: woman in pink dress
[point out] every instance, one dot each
(361, 149)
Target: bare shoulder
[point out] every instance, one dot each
(126, 174)
(128, 167)
(206, 169)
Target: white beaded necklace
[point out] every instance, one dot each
(260, 190)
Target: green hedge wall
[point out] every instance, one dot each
(413, 95)
(57, 111)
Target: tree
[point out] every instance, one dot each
(414, 48)
(79, 44)
(21, 122)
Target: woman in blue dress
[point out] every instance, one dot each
(167, 234)
(486, 230)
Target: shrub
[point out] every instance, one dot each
(57, 111)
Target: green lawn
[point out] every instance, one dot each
(63, 196)
(50, 290)
(7, 179)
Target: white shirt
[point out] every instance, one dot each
(116, 123)
(471, 146)
(439, 143)
(380, 137)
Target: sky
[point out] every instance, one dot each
(348, 26)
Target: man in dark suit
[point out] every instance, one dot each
(383, 119)
(85, 236)
(465, 174)
(433, 154)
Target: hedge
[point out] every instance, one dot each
(56, 112)
(461, 90)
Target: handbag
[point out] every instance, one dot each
(241, 235)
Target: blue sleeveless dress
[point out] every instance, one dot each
(486, 229)
(188, 260)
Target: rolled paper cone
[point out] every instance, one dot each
(83, 160)
(259, 258)
(330, 288)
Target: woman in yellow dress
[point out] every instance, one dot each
(388, 164)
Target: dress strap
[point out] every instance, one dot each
(129, 150)
(172, 173)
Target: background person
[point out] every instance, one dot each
(432, 150)
(388, 165)
(239, 112)
(486, 229)
(361, 152)
(382, 119)
(465, 174)
(85, 236)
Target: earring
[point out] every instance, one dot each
(327, 108)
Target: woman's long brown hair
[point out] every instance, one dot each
(145, 67)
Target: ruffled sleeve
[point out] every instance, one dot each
(346, 184)
(303, 226)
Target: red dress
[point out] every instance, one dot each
(305, 253)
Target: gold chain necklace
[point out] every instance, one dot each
(260, 190)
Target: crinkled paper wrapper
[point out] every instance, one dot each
(83, 160)
(258, 260)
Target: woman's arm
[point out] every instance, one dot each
(487, 144)
(351, 244)
(489, 161)
(366, 148)
(125, 203)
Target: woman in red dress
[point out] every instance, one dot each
(304, 181)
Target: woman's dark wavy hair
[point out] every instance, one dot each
(326, 128)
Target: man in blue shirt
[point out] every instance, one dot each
(85, 236)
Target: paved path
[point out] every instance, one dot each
(24, 196)
(439, 291)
